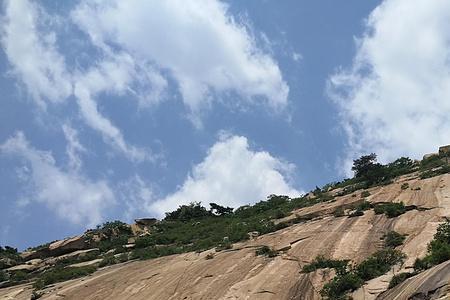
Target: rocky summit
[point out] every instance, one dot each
(384, 234)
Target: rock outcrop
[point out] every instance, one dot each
(57, 248)
(238, 273)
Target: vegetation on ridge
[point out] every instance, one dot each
(193, 227)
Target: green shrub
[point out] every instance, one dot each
(365, 194)
(220, 210)
(320, 262)
(278, 214)
(391, 210)
(59, 274)
(375, 265)
(188, 212)
(405, 186)
(18, 276)
(155, 252)
(108, 260)
(11, 254)
(431, 163)
(122, 257)
(340, 285)
(339, 212)
(365, 205)
(399, 278)
(393, 239)
(379, 263)
(3, 276)
(227, 245)
(438, 249)
(266, 251)
(114, 242)
(435, 172)
(145, 241)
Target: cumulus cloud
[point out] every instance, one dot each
(394, 100)
(231, 175)
(199, 42)
(70, 195)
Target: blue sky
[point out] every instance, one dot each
(121, 109)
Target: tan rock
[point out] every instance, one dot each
(87, 263)
(240, 274)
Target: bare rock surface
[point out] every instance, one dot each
(239, 274)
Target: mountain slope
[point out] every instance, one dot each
(239, 273)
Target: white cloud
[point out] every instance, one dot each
(137, 196)
(231, 175)
(395, 99)
(70, 195)
(36, 61)
(73, 148)
(198, 42)
(297, 56)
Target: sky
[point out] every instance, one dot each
(128, 109)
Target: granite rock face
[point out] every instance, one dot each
(238, 273)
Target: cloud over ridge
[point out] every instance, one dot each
(233, 175)
(394, 100)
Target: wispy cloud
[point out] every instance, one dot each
(32, 52)
(70, 195)
(205, 49)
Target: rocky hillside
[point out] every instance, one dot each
(382, 236)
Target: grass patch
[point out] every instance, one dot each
(393, 239)
(399, 278)
(339, 212)
(435, 172)
(438, 249)
(60, 274)
(365, 194)
(320, 262)
(349, 280)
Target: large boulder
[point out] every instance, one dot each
(444, 151)
(142, 226)
(29, 266)
(146, 221)
(57, 248)
(68, 245)
(430, 155)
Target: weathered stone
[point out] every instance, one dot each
(253, 234)
(444, 150)
(68, 245)
(146, 221)
(87, 263)
(57, 248)
(75, 254)
(29, 266)
(429, 155)
(7, 263)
